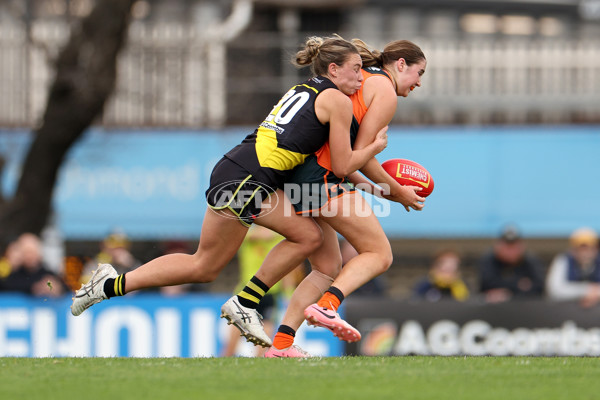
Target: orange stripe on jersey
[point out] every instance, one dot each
(342, 191)
(359, 109)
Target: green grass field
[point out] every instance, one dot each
(289, 379)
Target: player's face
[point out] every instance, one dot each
(347, 76)
(410, 77)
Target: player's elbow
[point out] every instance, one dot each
(341, 171)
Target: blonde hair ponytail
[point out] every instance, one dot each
(310, 51)
(319, 52)
(370, 58)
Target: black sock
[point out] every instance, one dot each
(287, 330)
(252, 293)
(336, 292)
(112, 289)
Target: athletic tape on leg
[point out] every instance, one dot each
(319, 280)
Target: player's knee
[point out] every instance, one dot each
(329, 266)
(204, 272)
(386, 259)
(312, 239)
(208, 276)
(335, 266)
(389, 260)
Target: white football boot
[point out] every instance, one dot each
(93, 291)
(247, 320)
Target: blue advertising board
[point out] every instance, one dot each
(142, 325)
(151, 184)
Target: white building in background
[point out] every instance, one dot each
(201, 63)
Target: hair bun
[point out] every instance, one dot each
(313, 45)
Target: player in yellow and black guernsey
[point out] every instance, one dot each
(289, 134)
(307, 116)
(313, 184)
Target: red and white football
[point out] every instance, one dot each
(409, 173)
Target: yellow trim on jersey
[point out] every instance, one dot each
(228, 205)
(306, 86)
(271, 156)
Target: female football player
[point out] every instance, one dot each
(405, 63)
(335, 205)
(246, 186)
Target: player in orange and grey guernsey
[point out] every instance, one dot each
(302, 121)
(394, 72)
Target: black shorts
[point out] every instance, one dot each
(312, 187)
(233, 188)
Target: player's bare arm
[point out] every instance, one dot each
(381, 99)
(335, 108)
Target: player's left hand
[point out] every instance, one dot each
(408, 196)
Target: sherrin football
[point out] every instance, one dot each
(409, 173)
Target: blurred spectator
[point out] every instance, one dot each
(575, 274)
(508, 270)
(444, 280)
(29, 273)
(114, 250)
(258, 243)
(9, 261)
(375, 287)
(53, 247)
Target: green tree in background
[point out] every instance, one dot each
(85, 77)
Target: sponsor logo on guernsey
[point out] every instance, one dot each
(317, 80)
(275, 128)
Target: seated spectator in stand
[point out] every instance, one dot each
(575, 274)
(509, 271)
(114, 250)
(444, 281)
(9, 262)
(30, 275)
